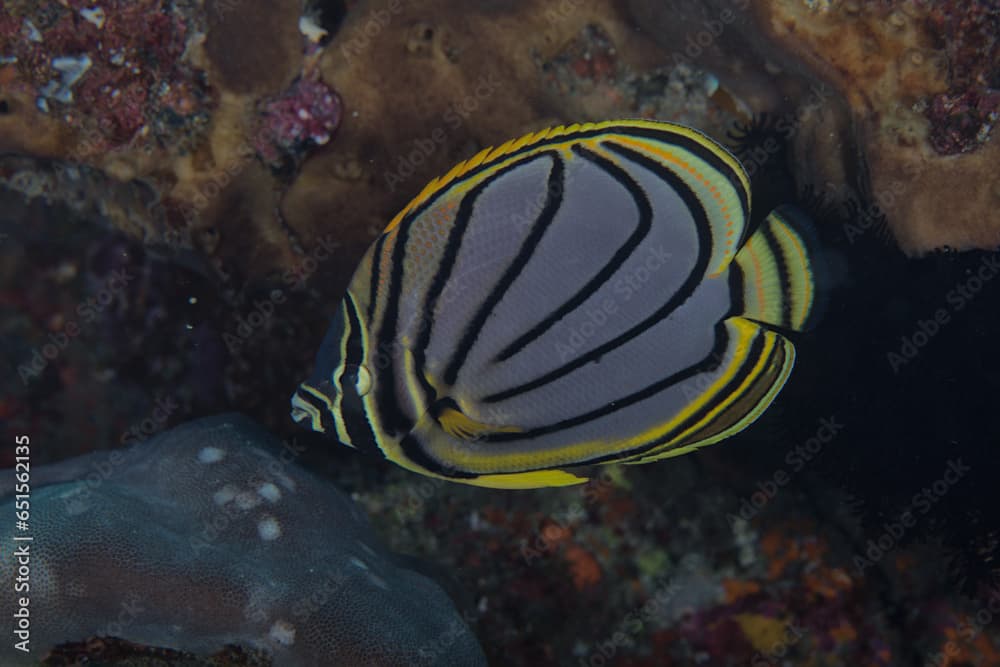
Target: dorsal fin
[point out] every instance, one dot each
(487, 156)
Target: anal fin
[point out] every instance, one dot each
(533, 479)
(731, 410)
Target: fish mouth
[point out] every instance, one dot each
(299, 414)
(309, 407)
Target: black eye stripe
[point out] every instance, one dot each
(354, 347)
(352, 407)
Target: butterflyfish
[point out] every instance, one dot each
(583, 295)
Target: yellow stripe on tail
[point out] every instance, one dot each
(779, 265)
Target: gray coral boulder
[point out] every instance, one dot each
(211, 534)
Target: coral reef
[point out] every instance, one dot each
(923, 117)
(676, 573)
(892, 103)
(111, 651)
(969, 35)
(212, 534)
(96, 78)
(304, 115)
(246, 169)
(104, 341)
(165, 97)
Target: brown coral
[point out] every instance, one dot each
(886, 61)
(883, 94)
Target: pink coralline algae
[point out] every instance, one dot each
(304, 116)
(963, 118)
(109, 67)
(962, 122)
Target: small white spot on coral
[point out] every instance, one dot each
(282, 632)
(95, 16)
(224, 495)
(75, 501)
(211, 454)
(30, 31)
(312, 32)
(269, 492)
(357, 562)
(378, 581)
(269, 529)
(246, 500)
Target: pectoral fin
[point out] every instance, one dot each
(458, 424)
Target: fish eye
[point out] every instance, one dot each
(364, 381)
(360, 377)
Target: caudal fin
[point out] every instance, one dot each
(781, 272)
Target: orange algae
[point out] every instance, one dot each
(583, 566)
(737, 588)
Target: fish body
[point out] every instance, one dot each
(582, 295)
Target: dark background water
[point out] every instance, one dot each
(906, 358)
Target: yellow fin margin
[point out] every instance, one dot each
(773, 339)
(525, 480)
(491, 154)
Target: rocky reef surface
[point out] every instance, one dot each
(212, 535)
(892, 102)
